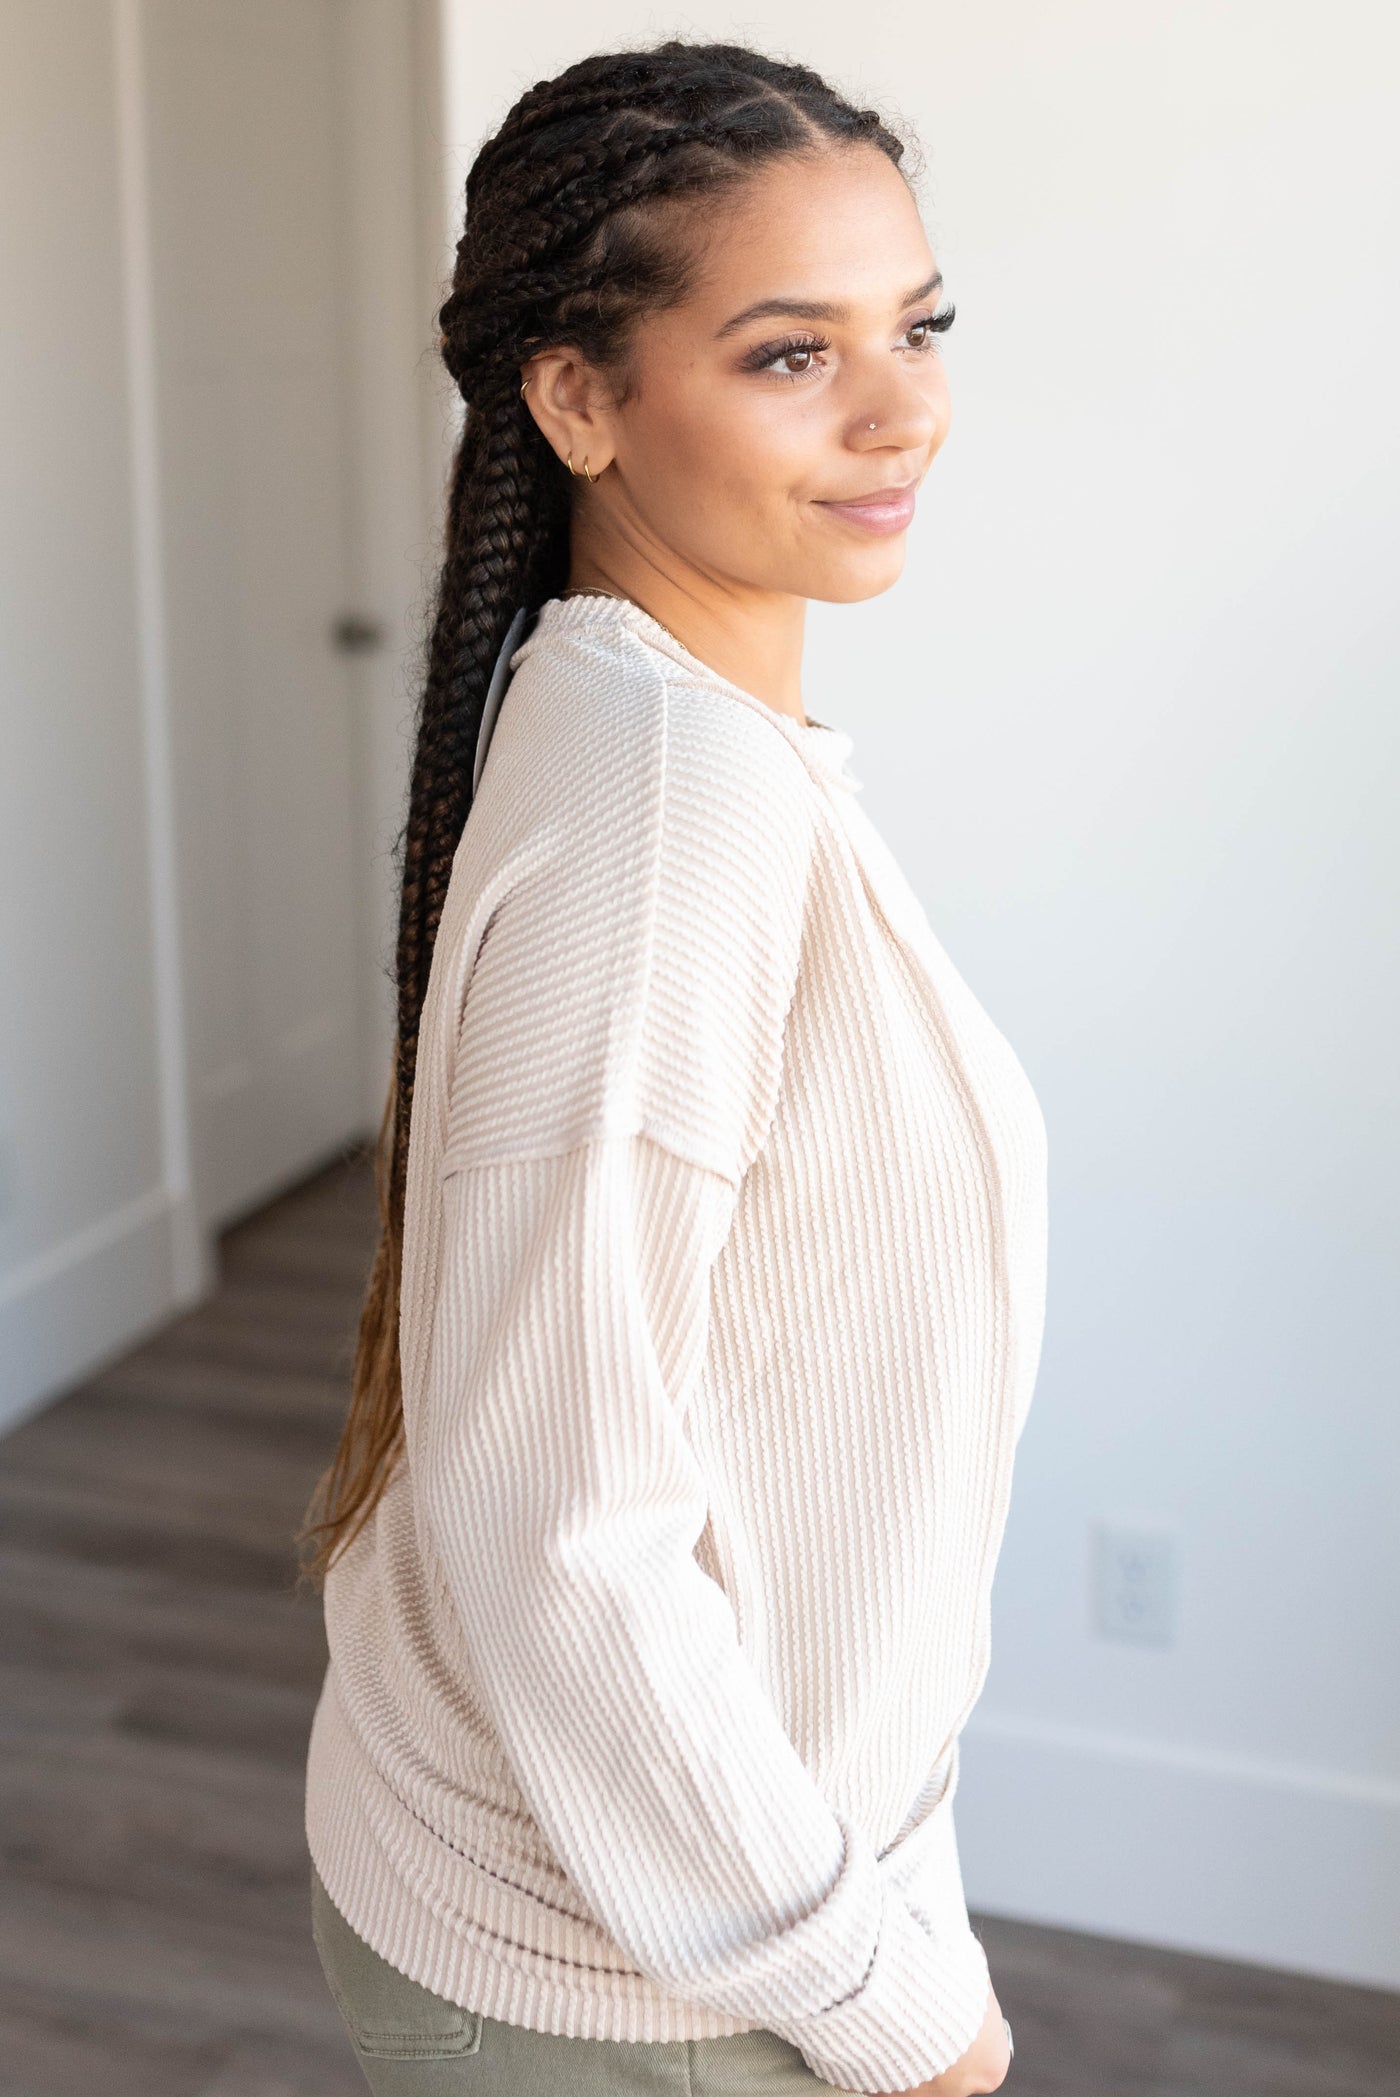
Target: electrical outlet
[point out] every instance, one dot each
(1134, 1583)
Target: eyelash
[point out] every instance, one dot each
(768, 353)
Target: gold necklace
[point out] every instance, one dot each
(618, 598)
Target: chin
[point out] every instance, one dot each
(851, 582)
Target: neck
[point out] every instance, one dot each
(751, 637)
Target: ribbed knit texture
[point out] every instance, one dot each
(723, 1290)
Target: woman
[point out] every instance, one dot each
(658, 1547)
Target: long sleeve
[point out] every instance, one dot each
(720, 1299)
(564, 1502)
(605, 1043)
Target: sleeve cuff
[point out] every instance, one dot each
(918, 2010)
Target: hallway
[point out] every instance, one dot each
(157, 1677)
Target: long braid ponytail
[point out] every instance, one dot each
(574, 229)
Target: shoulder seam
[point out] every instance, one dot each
(455, 1161)
(673, 675)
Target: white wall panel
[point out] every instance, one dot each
(87, 1194)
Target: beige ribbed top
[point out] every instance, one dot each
(723, 1291)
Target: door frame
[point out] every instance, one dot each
(392, 110)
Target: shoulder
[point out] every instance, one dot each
(639, 963)
(595, 717)
(639, 801)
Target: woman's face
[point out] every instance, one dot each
(747, 427)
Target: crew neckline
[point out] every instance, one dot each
(824, 749)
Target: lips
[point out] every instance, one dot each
(883, 510)
(894, 493)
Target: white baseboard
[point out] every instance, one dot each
(87, 1300)
(1265, 1862)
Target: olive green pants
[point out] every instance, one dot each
(411, 2043)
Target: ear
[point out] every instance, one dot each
(569, 403)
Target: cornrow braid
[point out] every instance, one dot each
(564, 240)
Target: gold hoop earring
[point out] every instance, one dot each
(590, 477)
(522, 390)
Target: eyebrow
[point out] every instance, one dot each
(816, 309)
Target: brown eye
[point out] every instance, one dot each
(932, 324)
(772, 357)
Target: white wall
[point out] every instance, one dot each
(1129, 721)
(94, 1236)
(403, 401)
(99, 1241)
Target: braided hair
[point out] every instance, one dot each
(576, 226)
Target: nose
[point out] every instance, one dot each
(901, 412)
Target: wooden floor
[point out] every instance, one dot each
(157, 1677)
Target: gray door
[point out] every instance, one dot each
(251, 238)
